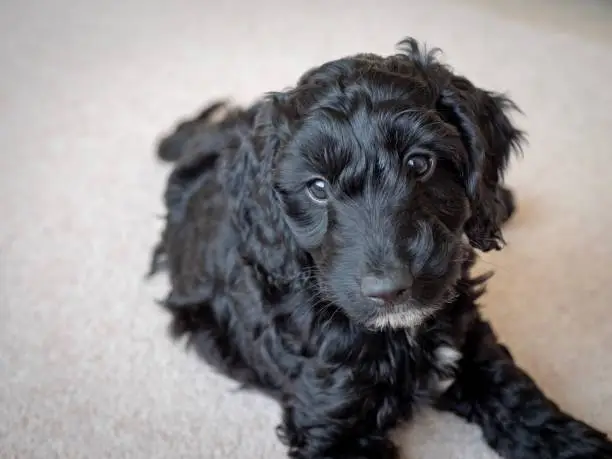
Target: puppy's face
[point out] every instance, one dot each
(374, 192)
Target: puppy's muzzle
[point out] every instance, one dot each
(388, 289)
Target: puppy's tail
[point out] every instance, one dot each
(172, 147)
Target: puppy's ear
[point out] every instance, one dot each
(490, 138)
(273, 124)
(265, 242)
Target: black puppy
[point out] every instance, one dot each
(319, 245)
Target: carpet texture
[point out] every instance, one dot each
(86, 88)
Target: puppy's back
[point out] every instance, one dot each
(194, 195)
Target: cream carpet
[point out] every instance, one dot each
(86, 370)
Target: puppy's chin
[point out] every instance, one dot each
(407, 318)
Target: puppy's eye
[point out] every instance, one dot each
(420, 165)
(317, 190)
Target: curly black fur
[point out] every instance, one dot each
(266, 281)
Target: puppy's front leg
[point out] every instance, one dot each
(517, 419)
(329, 415)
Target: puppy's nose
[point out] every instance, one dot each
(385, 289)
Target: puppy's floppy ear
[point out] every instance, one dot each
(264, 241)
(490, 138)
(272, 125)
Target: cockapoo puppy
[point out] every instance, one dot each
(319, 246)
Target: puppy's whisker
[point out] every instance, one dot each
(315, 300)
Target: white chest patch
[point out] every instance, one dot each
(446, 361)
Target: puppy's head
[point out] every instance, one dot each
(387, 170)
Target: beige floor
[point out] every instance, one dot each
(86, 86)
